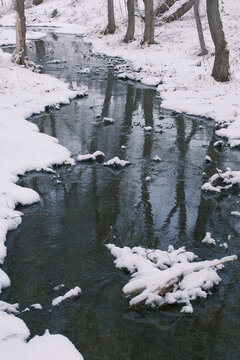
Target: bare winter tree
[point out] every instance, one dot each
(199, 28)
(221, 63)
(111, 27)
(131, 21)
(182, 10)
(148, 37)
(20, 51)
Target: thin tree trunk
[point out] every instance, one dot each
(180, 12)
(221, 63)
(131, 21)
(20, 51)
(149, 22)
(199, 28)
(111, 27)
(164, 6)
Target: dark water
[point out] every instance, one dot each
(62, 238)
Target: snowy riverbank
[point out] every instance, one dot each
(184, 78)
(23, 148)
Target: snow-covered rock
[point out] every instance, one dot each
(208, 239)
(166, 277)
(71, 293)
(97, 155)
(116, 162)
(222, 181)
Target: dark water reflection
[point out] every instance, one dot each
(62, 238)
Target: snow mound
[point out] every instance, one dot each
(108, 120)
(235, 213)
(97, 155)
(208, 239)
(37, 306)
(40, 347)
(10, 308)
(166, 277)
(222, 181)
(148, 128)
(71, 293)
(116, 162)
(157, 158)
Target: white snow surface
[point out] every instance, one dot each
(186, 82)
(37, 306)
(49, 347)
(166, 277)
(23, 148)
(71, 293)
(222, 181)
(108, 120)
(91, 157)
(235, 213)
(116, 162)
(208, 239)
(8, 36)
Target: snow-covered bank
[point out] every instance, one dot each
(186, 82)
(8, 36)
(23, 148)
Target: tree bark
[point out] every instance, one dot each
(164, 6)
(221, 62)
(148, 37)
(199, 28)
(180, 12)
(20, 51)
(111, 27)
(131, 21)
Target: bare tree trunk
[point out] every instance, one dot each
(131, 21)
(164, 6)
(148, 37)
(221, 63)
(111, 27)
(20, 51)
(199, 28)
(180, 12)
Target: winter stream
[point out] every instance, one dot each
(62, 238)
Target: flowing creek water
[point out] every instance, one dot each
(62, 238)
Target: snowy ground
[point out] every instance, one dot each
(23, 148)
(187, 85)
